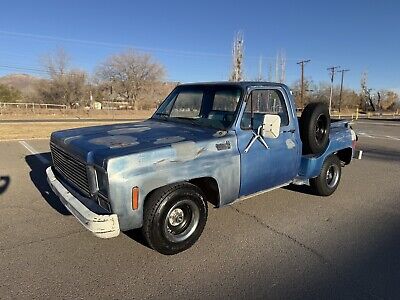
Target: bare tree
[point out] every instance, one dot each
(66, 85)
(130, 75)
(280, 66)
(56, 63)
(389, 100)
(307, 88)
(237, 55)
(9, 94)
(320, 92)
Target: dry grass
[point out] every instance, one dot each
(16, 131)
(30, 114)
(19, 131)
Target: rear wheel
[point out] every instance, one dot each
(314, 128)
(328, 180)
(174, 218)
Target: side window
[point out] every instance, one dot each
(264, 102)
(187, 104)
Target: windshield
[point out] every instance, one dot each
(208, 105)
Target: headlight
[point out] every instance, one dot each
(92, 179)
(102, 182)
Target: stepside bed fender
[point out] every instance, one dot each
(340, 140)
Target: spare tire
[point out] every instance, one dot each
(315, 124)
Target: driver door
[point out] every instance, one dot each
(262, 168)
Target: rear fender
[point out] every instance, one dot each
(340, 142)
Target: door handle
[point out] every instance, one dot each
(290, 130)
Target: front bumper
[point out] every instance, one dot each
(92, 216)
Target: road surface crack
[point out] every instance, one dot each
(356, 286)
(285, 235)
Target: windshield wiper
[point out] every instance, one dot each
(162, 114)
(191, 120)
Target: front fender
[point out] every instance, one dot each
(179, 162)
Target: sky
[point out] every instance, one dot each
(193, 39)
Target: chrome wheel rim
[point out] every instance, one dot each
(332, 176)
(181, 220)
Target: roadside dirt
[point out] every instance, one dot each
(18, 131)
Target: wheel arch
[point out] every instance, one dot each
(208, 185)
(345, 155)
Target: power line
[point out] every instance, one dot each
(20, 68)
(110, 45)
(176, 52)
(301, 63)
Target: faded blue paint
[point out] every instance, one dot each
(262, 168)
(166, 152)
(154, 153)
(339, 139)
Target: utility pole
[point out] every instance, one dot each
(332, 71)
(301, 63)
(341, 87)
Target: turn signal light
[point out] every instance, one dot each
(135, 198)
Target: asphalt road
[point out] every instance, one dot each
(283, 244)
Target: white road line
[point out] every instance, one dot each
(392, 138)
(34, 152)
(385, 137)
(377, 123)
(17, 140)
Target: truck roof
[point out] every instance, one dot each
(242, 84)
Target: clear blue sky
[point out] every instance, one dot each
(193, 39)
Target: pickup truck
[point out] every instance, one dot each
(207, 142)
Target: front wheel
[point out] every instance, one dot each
(174, 217)
(328, 180)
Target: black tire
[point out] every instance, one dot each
(174, 217)
(314, 128)
(328, 180)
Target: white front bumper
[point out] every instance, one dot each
(103, 226)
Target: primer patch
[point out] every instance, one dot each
(127, 130)
(118, 141)
(169, 140)
(186, 150)
(290, 144)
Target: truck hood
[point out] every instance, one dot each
(95, 145)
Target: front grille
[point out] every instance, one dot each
(70, 168)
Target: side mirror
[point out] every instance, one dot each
(271, 126)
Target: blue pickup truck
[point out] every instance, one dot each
(207, 142)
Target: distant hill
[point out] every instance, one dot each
(23, 82)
